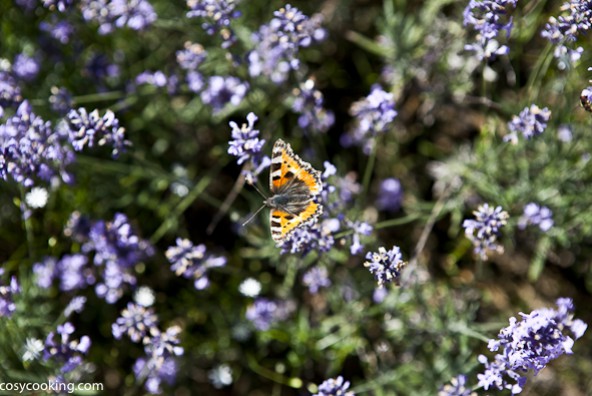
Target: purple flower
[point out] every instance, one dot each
(30, 148)
(334, 387)
(563, 30)
(217, 14)
(277, 44)
(245, 143)
(359, 228)
(157, 78)
(223, 90)
(373, 116)
(60, 100)
(485, 229)
(75, 305)
(304, 239)
(192, 262)
(457, 387)
(263, 312)
(163, 345)
(61, 31)
(308, 102)
(489, 18)
(316, 278)
(136, 321)
(73, 272)
(25, 67)
(45, 272)
(60, 5)
(531, 122)
(155, 371)
(7, 306)
(85, 129)
(530, 344)
(536, 215)
(191, 56)
(60, 347)
(385, 265)
(390, 195)
(112, 14)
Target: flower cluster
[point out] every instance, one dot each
(359, 228)
(531, 122)
(85, 128)
(30, 148)
(7, 306)
(116, 14)
(136, 321)
(26, 67)
(189, 59)
(334, 387)
(60, 5)
(386, 266)
(61, 348)
(489, 18)
(390, 195)
(116, 250)
(220, 91)
(246, 145)
(530, 344)
(373, 116)
(10, 91)
(217, 14)
(308, 102)
(59, 30)
(566, 28)
(484, 230)
(277, 44)
(316, 278)
(193, 262)
(457, 387)
(159, 364)
(263, 312)
(536, 215)
(313, 236)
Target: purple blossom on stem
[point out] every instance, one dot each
(316, 278)
(7, 292)
(217, 14)
(60, 31)
(223, 90)
(489, 18)
(334, 387)
(308, 102)
(278, 43)
(60, 347)
(155, 372)
(162, 345)
(373, 116)
(390, 195)
(75, 305)
(116, 14)
(245, 143)
(536, 215)
(136, 321)
(73, 272)
(25, 67)
(191, 56)
(84, 129)
(457, 387)
(30, 148)
(157, 78)
(60, 5)
(531, 122)
(314, 236)
(563, 30)
(385, 265)
(484, 230)
(193, 262)
(359, 228)
(530, 344)
(263, 313)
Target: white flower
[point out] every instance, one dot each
(37, 197)
(144, 296)
(33, 347)
(250, 287)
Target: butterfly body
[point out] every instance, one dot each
(295, 186)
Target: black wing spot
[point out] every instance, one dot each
(289, 175)
(275, 166)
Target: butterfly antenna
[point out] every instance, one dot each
(259, 191)
(253, 215)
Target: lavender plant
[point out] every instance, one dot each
(133, 134)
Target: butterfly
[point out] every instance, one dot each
(295, 186)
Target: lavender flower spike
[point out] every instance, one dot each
(334, 387)
(385, 265)
(245, 143)
(531, 122)
(485, 229)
